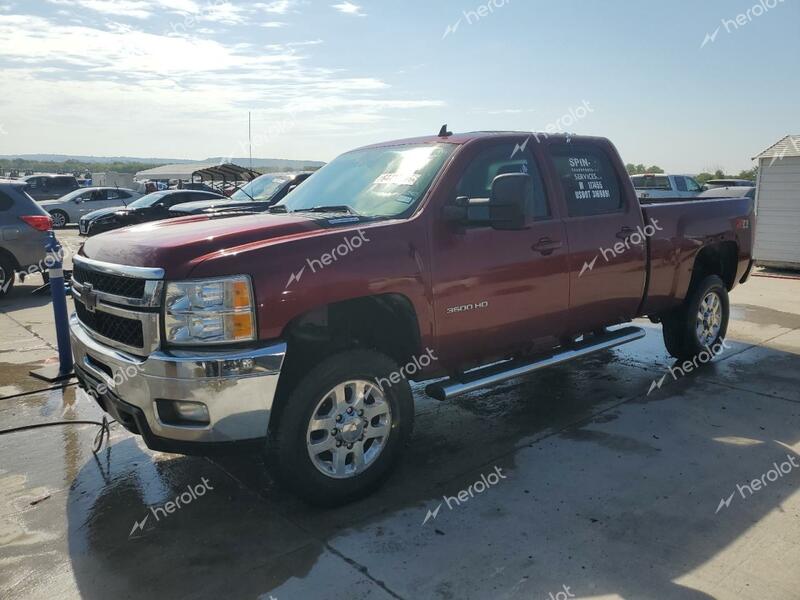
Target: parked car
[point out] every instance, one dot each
(71, 207)
(719, 183)
(23, 232)
(665, 186)
(258, 195)
(152, 207)
(49, 187)
(297, 330)
(730, 192)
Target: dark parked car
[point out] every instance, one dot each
(152, 207)
(23, 229)
(257, 196)
(49, 187)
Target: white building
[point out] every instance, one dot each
(778, 205)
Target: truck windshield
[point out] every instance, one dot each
(374, 182)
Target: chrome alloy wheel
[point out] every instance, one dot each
(59, 220)
(709, 319)
(349, 429)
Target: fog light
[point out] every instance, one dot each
(182, 413)
(192, 411)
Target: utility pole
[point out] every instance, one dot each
(250, 137)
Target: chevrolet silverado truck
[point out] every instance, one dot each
(474, 258)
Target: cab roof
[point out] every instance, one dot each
(465, 138)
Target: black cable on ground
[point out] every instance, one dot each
(101, 436)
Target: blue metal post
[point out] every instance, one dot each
(58, 291)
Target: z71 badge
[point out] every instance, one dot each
(467, 307)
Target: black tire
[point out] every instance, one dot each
(59, 214)
(680, 327)
(287, 452)
(7, 275)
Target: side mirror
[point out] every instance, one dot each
(507, 204)
(457, 211)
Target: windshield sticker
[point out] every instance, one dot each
(397, 179)
(586, 174)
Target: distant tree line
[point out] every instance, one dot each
(71, 166)
(701, 178)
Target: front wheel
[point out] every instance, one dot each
(702, 323)
(60, 219)
(342, 428)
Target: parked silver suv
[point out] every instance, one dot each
(70, 208)
(23, 230)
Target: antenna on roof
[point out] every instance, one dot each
(443, 131)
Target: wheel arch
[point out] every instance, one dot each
(719, 259)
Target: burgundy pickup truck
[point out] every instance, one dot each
(296, 332)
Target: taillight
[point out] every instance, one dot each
(742, 223)
(40, 222)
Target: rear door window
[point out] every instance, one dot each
(588, 178)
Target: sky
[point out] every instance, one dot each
(680, 84)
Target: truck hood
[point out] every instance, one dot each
(199, 205)
(177, 245)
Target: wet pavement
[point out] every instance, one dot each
(593, 486)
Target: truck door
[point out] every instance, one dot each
(498, 290)
(607, 238)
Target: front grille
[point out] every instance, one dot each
(119, 329)
(127, 287)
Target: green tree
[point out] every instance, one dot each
(640, 169)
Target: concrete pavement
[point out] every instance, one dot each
(602, 489)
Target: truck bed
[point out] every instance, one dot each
(686, 225)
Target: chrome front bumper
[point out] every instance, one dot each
(237, 387)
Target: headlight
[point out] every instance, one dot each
(210, 311)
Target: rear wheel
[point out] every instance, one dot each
(702, 323)
(7, 276)
(340, 433)
(60, 219)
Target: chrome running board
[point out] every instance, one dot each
(497, 373)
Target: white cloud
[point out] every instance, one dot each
(349, 8)
(126, 82)
(279, 7)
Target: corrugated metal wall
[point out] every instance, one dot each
(778, 229)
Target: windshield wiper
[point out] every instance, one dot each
(241, 189)
(278, 208)
(331, 209)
